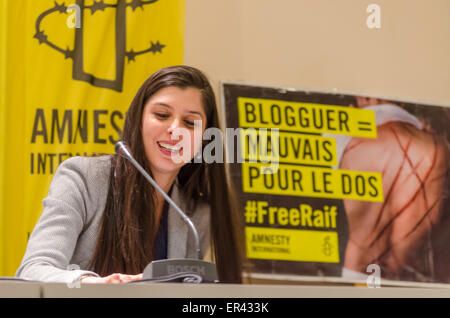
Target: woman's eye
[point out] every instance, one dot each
(161, 115)
(189, 123)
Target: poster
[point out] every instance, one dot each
(69, 71)
(333, 185)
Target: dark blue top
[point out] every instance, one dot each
(160, 247)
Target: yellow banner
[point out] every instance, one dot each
(3, 130)
(306, 117)
(70, 70)
(292, 245)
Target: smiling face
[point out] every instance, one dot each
(168, 124)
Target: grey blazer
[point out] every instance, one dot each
(63, 241)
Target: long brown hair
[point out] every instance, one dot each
(127, 229)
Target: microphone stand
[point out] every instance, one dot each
(178, 269)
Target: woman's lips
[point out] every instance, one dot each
(169, 149)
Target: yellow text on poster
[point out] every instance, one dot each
(267, 146)
(306, 117)
(292, 245)
(312, 182)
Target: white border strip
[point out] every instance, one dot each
(292, 279)
(333, 91)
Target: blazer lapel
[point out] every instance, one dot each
(178, 229)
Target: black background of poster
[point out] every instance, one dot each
(435, 116)
(231, 93)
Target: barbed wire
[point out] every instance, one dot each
(99, 5)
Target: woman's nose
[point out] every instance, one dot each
(175, 125)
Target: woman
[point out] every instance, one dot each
(103, 217)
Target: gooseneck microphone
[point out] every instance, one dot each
(172, 267)
(123, 150)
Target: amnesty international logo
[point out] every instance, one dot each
(77, 53)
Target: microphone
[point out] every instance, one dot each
(172, 267)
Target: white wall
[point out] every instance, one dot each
(324, 44)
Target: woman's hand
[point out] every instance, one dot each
(111, 279)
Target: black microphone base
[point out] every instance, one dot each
(181, 269)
